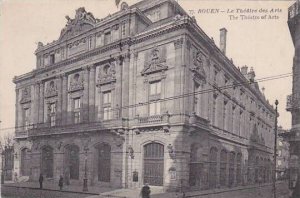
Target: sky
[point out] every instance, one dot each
(264, 44)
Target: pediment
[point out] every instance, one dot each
(82, 22)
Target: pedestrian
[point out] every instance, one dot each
(41, 179)
(61, 182)
(145, 192)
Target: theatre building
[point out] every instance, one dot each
(141, 96)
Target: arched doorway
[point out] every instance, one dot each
(196, 167)
(25, 162)
(47, 162)
(72, 162)
(154, 164)
(213, 167)
(104, 162)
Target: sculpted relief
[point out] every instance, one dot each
(83, 21)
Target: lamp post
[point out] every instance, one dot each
(85, 180)
(275, 148)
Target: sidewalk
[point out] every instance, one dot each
(92, 190)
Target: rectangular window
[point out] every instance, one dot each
(107, 38)
(154, 108)
(155, 88)
(107, 113)
(52, 59)
(107, 110)
(26, 118)
(52, 114)
(197, 99)
(154, 97)
(107, 97)
(77, 106)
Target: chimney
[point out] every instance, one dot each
(223, 33)
(244, 70)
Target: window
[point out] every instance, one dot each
(225, 127)
(231, 169)
(197, 99)
(77, 105)
(26, 118)
(213, 167)
(155, 88)
(215, 75)
(223, 167)
(214, 107)
(107, 110)
(52, 58)
(107, 38)
(52, 113)
(154, 97)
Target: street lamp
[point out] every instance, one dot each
(85, 180)
(275, 148)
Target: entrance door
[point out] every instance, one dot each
(104, 163)
(47, 162)
(154, 164)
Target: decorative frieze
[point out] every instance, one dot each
(156, 64)
(76, 83)
(26, 95)
(107, 74)
(197, 66)
(51, 89)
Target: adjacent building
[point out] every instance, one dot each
(293, 100)
(283, 156)
(141, 96)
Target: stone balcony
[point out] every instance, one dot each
(155, 122)
(110, 125)
(292, 102)
(199, 122)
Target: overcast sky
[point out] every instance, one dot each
(265, 45)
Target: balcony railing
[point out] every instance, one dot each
(292, 102)
(293, 10)
(46, 129)
(155, 119)
(199, 121)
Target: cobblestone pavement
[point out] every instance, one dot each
(14, 192)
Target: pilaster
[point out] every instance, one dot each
(41, 102)
(92, 89)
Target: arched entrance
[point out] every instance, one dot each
(25, 162)
(196, 166)
(104, 162)
(154, 164)
(47, 162)
(71, 162)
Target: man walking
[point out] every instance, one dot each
(61, 182)
(145, 192)
(41, 179)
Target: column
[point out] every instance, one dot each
(41, 103)
(85, 99)
(119, 76)
(18, 112)
(64, 99)
(179, 74)
(92, 89)
(125, 86)
(59, 101)
(36, 103)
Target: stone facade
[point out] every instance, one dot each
(293, 100)
(141, 96)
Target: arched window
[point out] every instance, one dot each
(76, 77)
(72, 162)
(154, 164)
(239, 169)
(47, 162)
(231, 169)
(196, 166)
(223, 167)
(104, 162)
(213, 167)
(25, 162)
